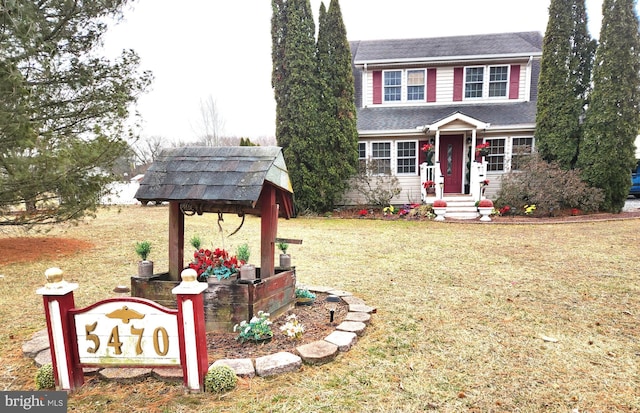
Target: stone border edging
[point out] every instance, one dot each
(318, 352)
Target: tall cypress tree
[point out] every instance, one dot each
(315, 108)
(338, 138)
(565, 73)
(613, 118)
(295, 82)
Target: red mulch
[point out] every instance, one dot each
(24, 249)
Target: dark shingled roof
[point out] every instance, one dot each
(449, 48)
(404, 118)
(231, 175)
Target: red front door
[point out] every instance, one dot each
(451, 162)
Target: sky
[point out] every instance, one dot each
(201, 50)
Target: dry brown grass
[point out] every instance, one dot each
(462, 312)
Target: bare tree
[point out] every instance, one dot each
(212, 124)
(147, 149)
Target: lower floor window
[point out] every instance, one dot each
(381, 157)
(407, 157)
(522, 149)
(495, 159)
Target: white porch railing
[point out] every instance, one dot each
(478, 174)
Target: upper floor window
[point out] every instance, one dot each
(522, 148)
(477, 85)
(415, 85)
(406, 157)
(381, 158)
(393, 86)
(473, 81)
(498, 76)
(495, 159)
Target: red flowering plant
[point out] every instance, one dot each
(363, 213)
(428, 147)
(428, 184)
(208, 263)
(483, 147)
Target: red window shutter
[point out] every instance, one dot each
(377, 87)
(431, 85)
(458, 72)
(514, 82)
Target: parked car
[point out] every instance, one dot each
(635, 181)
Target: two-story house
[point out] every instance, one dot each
(453, 93)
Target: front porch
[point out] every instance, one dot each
(461, 204)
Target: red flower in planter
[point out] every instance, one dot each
(485, 203)
(427, 147)
(428, 184)
(439, 203)
(482, 146)
(217, 263)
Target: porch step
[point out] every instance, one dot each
(461, 208)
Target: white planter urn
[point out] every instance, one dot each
(439, 211)
(485, 213)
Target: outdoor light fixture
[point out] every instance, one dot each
(331, 304)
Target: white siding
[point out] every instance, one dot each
(444, 87)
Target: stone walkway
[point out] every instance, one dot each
(342, 339)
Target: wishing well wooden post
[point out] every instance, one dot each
(58, 300)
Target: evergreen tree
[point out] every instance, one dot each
(565, 74)
(613, 119)
(63, 108)
(339, 135)
(295, 81)
(315, 112)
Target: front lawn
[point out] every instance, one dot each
(470, 317)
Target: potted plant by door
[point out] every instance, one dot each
(485, 207)
(145, 267)
(285, 259)
(439, 208)
(247, 271)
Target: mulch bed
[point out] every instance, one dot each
(510, 219)
(314, 318)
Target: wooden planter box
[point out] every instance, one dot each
(229, 302)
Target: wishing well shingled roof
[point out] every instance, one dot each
(224, 175)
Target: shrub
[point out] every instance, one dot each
(220, 379)
(257, 329)
(377, 189)
(44, 377)
(547, 186)
(421, 211)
